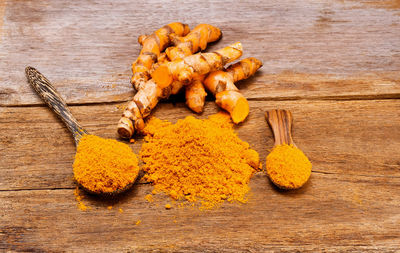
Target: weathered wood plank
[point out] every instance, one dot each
(329, 56)
(337, 48)
(348, 137)
(332, 212)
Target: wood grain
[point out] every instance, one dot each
(2, 8)
(310, 49)
(280, 122)
(348, 137)
(334, 64)
(356, 216)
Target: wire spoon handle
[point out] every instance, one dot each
(52, 98)
(280, 122)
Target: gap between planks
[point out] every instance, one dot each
(316, 98)
(146, 183)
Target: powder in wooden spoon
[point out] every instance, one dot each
(288, 167)
(104, 165)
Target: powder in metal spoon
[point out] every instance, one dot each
(104, 165)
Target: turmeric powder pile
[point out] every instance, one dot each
(104, 165)
(202, 161)
(288, 167)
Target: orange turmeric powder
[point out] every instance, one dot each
(198, 160)
(288, 167)
(149, 198)
(104, 165)
(78, 198)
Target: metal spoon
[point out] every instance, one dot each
(52, 98)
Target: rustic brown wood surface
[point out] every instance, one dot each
(334, 64)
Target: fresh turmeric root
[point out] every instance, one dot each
(195, 94)
(147, 98)
(196, 40)
(153, 45)
(193, 42)
(228, 97)
(184, 69)
(158, 74)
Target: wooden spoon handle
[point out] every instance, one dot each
(280, 122)
(52, 98)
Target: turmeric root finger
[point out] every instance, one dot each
(125, 128)
(176, 86)
(244, 69)
(228, 97)
(153, 45)
(218, 81)
(235, 103)
(193, 42)
(201, 63)
(141, 105)
(129, 117)
(144, 101)
(138, 109)
(196, 94)
(162, 58)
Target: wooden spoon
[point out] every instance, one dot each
(293, 168)
(52, 98)
(280, 122)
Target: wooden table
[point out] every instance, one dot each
(334, 64)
